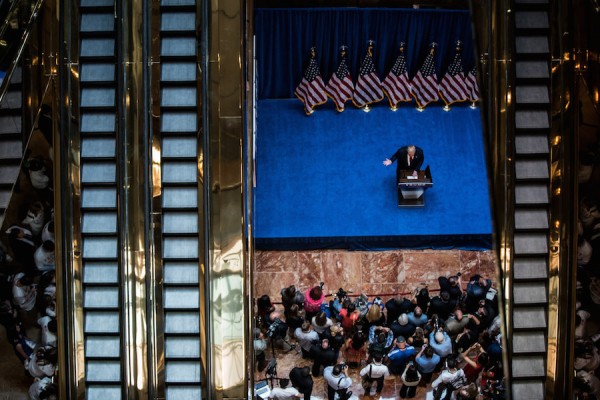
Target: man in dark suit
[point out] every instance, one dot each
(408, 158)
(301, 380)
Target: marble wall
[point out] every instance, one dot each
(383, 273)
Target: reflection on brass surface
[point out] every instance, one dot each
(133, 166)
(225, 165)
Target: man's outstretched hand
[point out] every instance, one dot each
(387, 162)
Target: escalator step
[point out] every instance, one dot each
(100, 272)
(532, 45)
(533, 95)
(180, 273)
(180, 222)
(187, 392)
(175, 197)
(178, 146)
(178, 21)
(531, 169)
(180, 248)
(182, 372)
(180, 172)
(182, 323)
(529, 317)
(100, 248)
(531, 119)
(11, 150)
(528, 342)
(99, 222)
(180, 47)
(98, 147)
(96, 3)
(13, 99)
(104, 197)
(98, 97)
(102, 322)
(528, 367)
(177, 2)
(97, 23)
(181, 298)
(101, 298)
(529, 144)
(178, 97)
(98, 122)
(530, 268)
(102, 346)
(531, 219)
(182, 347)
(97, 47)
(10, 124)
(98, 172)
(531, 194)
(103, 392)
(9, 174)
(102, 72)
(529, 293)
(530, 243)
(532, 390)
(532, 70)
(531, 20)
(103, 371)
(178, 71)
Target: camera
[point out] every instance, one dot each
(273, 330)
(458, 274)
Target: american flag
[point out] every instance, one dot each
(472, 86)
(368, 87)
(340, 86)
(396, 84)
(424, 86)
(311, 91)
(453, 87)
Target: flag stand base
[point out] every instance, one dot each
(446, 108)
(473, 106)
(420, 109)
(310, 112)
(394, 108)
(366, 108)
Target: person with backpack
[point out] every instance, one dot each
(452, 378)
(410, 380)
(338, 382)
(374, 372)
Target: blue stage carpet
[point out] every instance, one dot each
(321, 182)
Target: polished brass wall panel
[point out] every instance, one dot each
(227, 254)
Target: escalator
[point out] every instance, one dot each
(102, 315)
(11, 139)
(531, 319)
(181, 210)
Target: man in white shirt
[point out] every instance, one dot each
(283, 392)
(337, 381)
(375, 372)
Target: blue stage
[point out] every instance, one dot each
(321, 182)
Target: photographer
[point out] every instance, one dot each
(452, 285)
(427, 360)
(260, 345)
(277, 330)
(374, 372)
(337, 382)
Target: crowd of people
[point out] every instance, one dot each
(587, 317)
(448, 341)
(27, 278)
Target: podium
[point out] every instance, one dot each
(411, 189)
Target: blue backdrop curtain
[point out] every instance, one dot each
(284, 37)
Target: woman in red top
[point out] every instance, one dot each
(349, 315)
(312, 303)
(474, 366)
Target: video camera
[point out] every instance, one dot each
(277, 328)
